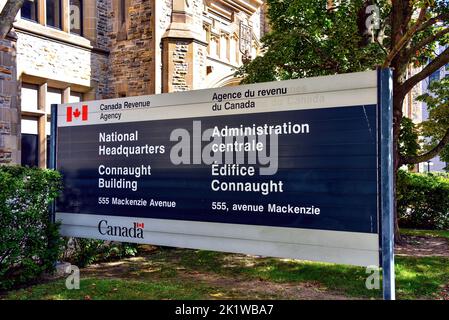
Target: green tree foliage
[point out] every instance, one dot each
(408, 140)
(29, 241)
(434, 129)
(310, 39)
(307, 40)
(423, 200)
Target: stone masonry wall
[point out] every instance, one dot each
(165, 16)
(185, 56)
(131, 58)
(49, 59)
(100, 75)
(199, 51)
(197, 13)
(104, 23)
(199, 61)
(9, 102)
(180, 66)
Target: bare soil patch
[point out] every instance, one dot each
(260, 289)
(420, 246)
(225, 287)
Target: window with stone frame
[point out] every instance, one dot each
(54, 96)
(29, 10)
(53, 13)
(208, 36)
(29, 125)
(76, 17)
(75, 97)
(29, 142)
(36, 101)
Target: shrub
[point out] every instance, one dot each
(423, 200)
(29, 241)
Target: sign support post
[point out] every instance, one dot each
(386, 182)
(53, 140)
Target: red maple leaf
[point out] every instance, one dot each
(76, 113)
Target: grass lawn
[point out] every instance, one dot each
(107, 289)
(169, 273)
(426, 233)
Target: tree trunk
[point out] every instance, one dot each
(8, 15)
(398, 100)
(397, 117)
(400, 17)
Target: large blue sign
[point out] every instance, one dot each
(291, 166)
(324, 174)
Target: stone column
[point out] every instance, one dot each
(90, 20)
(65, 19)
(9, 102)
(183, 48)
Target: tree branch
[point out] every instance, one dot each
(433, 66)
(8, 15)
(426, 41)
(381, 46)
(5, 255)
(432, 21)
(428, 155)
(406, 38)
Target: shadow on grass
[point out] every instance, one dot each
(162, 275)
(415, 277)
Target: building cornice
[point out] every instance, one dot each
(226, 8)
(185, 38)
(55, 35)
(248, 6)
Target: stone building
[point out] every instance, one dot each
(435, 164)
(412, 107)
(76, 50)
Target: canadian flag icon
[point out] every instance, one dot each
(75, 114)
(139, 224)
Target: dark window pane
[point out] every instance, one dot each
(53, 8)
(30, 150)
(76, 17)
(122, 11)
(29, 10)
(434, 76)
